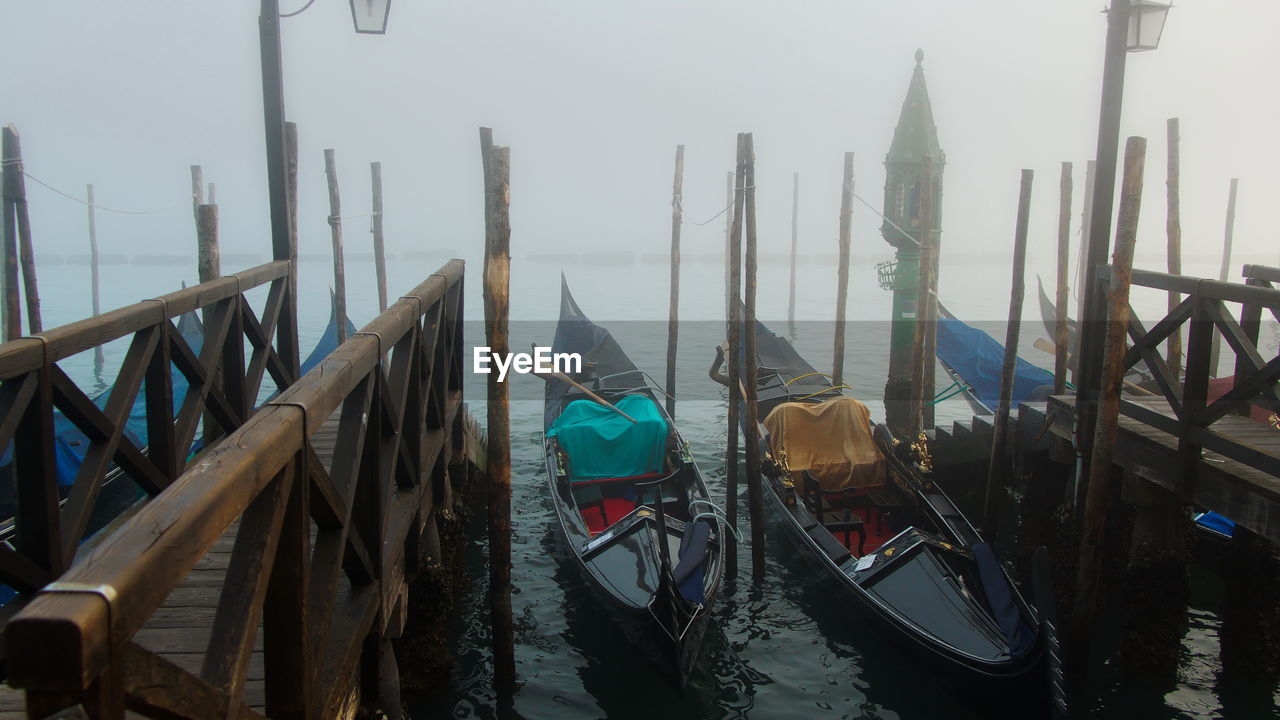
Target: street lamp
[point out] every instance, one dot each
(369, 16)
(1146, 23)
(1132, 26)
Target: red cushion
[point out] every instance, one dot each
(600, 515)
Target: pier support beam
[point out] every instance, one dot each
(1250, 635)
(1157, 585)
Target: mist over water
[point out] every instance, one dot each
(789, 648)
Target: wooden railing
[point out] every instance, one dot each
(321, 555)
(48, 528)
(1256, 379)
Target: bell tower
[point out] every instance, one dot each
(914, 140)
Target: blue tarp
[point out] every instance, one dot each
(603, 444)
(977, 358)
(1217, 523)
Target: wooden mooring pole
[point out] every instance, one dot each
(842, 269)
(497, 305)
(94, 283)
(733, 261)
(922, 364)
(1228, 235)
(12, 298)
(287, 327)
(1098, 489)
(795, 219)
(1061, 344)
(339, 263)
(15, 192)
(1173, 232)
(729, 214)
(997, 469)
(379, 250)
(754, 491)
(929, 310)
(208, 257)
(673, 318)
(197, 193)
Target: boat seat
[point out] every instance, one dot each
(829, 544)
(847, 527)
(600, 510)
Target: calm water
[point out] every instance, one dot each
(786, 648)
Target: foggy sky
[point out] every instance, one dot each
(593, 96)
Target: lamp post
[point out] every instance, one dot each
(1132, 26)
(369, 16)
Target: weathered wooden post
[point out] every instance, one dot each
(94, 287)
(842, 269)
(733, 261)
(287, 326)
(12, 299)
(795, 218)
(1250, 570)
(212, 197)
(754, 491)
(728, 235)
(208, 257)
(379, 250)
(928, 307)
(673, 318)
(208, 267)
(1098, 490)
(1061, 344)
(339, 263)
(1086, 220)
(996, 469)
(197, 193)
(1157, 582)
(1222, 272)
(922, 362)
(497, 304)
(15, 190)
(1173, 231)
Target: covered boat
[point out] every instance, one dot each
(975, 361)
(863, 506)
(631, 504)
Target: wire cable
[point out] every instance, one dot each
(299, 11)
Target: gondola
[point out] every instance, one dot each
(863, 506)
(655, 564)
(1049, 316)
(975, 360)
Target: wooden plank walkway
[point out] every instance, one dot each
(1248, 496)
(179, 630)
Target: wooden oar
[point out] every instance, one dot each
(1046, 346)
(546, 377)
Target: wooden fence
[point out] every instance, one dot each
(1192, 418)
(322, 548)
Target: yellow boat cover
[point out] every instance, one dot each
(831, 439)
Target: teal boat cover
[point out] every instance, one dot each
(602, 444)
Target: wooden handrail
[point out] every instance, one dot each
(1266, 273)
(1229, 292)
(63, 641)
(29, 353)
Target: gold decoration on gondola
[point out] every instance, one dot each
(1274, 421)
(920, 448)
(776, 464)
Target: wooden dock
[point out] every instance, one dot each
(1247, 495)
(266, 575)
